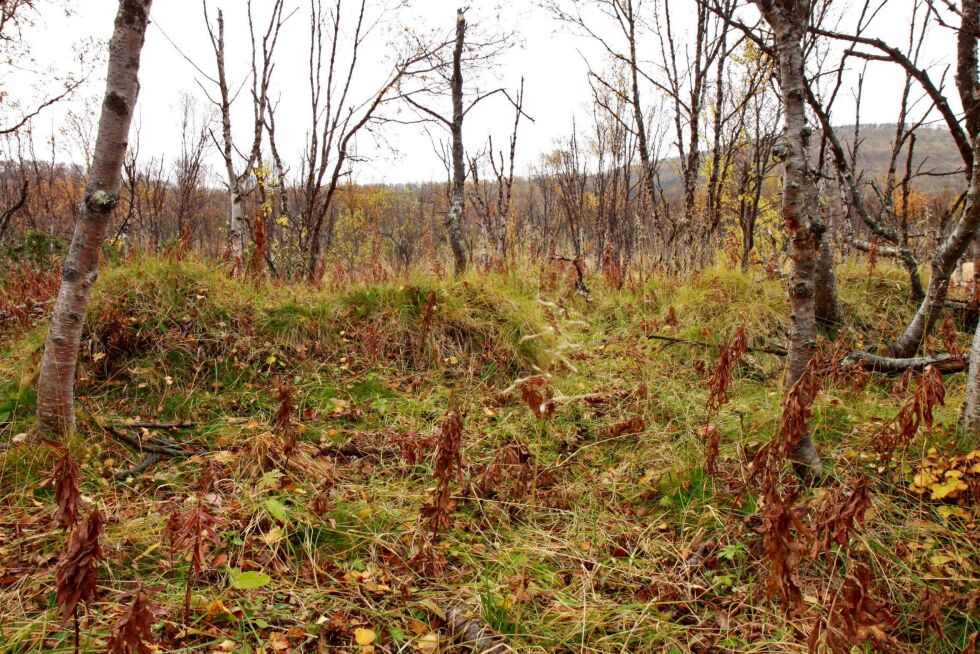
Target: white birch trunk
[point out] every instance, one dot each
(56, 383)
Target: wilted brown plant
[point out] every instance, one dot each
(76, 573)
(914, 412)
(189, 532)
(66, 493)
(838, 516)
(448, 466)
(133, 631)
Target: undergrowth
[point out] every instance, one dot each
(343, 510)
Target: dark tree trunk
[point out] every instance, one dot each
(454, 220)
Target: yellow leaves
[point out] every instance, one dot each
(365, 638)
(428, 644)
(947, 478)
(950, 486)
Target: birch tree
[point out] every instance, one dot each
(788, 20)
(55, 387)
(472, 54)
(261, 77)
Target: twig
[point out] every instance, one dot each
(148, 461)
(156, 425)
(775, 351)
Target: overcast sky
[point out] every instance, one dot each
(548, 55)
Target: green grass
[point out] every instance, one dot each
(594, 561)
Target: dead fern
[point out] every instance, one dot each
(66, 493)
(76, 574)
(189, 532)
(133, 631)
(914, 412)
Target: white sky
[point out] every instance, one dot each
(549, 57)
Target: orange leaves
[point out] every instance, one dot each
(76, 572)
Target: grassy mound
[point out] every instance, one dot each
(186, 313)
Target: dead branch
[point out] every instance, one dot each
(156, 425)
(775, 351)
(946, 363)
(148, 462)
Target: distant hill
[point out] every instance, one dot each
(935, 157)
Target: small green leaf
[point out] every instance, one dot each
(277, 510)
(250, 580)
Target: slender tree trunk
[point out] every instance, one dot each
(454, 220)
(943, 264)
(788, 20)
(828, 311)
(55, 387)
(236, 241)
(948, 255)
(968, 428)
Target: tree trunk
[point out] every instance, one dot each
(454, 220)
(943, 264)
(948, 255)
(55, 387)
(827, 309)
(236, 242)
(788, 20)
(968, 428)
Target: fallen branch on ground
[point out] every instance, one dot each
(157, 425)
(945, 363)
(153, 447)
(776, 351)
